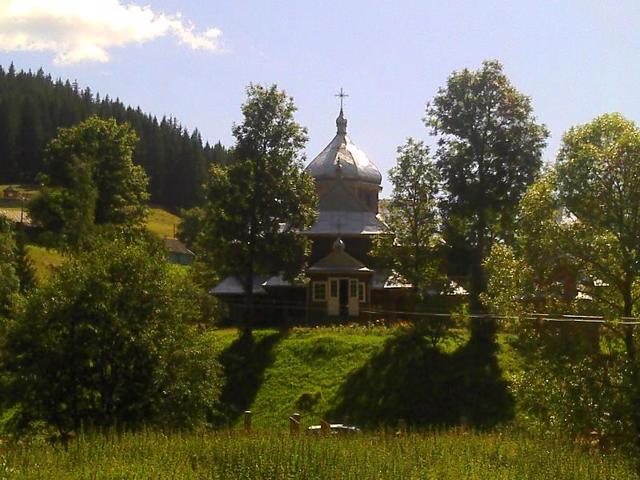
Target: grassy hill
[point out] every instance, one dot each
(366, 375)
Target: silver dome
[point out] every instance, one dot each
(342, 158)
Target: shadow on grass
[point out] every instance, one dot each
(411, 380)
(244, 363)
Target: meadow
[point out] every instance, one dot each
(278, 455)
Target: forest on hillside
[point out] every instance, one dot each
(34, 105)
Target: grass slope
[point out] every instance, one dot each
(227, 455)
(161, 222)
(367, 375)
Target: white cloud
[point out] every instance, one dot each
(85, 30)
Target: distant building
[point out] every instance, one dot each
(11, 193)
(341, 281)
(177, 252)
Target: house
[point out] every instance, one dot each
(177, 252)
(11, 193)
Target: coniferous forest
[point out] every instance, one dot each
(34, 105)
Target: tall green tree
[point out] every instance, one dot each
(490, 148)
(258, 203)
(411, 246)
(579, 233)
(91, 180)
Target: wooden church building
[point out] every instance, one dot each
(341, 280)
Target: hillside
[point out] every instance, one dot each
(367, 375)
(33, 106)
(159, 221)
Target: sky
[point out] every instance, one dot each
(193, 59)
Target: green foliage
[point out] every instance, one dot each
(257, 204)
(586, 398)
(190, 227)
(9, 281)
(33, 106)
(598, 185)
(577, 250)
(90, 181)
(24, 266)
(278, 456)
(489, 152)
(411, 246)
(110, 339)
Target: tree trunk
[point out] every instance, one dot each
(630, 347)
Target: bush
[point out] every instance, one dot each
(111, 339)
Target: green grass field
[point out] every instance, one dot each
(162, 222)
(277, 455)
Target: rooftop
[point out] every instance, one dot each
(342, 158)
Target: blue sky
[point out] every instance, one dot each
(574, 59)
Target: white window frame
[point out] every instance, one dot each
(314, 296)
(362, 292)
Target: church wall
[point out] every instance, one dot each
(367, 193)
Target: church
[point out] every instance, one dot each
(342, 282)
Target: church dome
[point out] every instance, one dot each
(342, 158)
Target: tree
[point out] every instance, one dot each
(110, 340)
(579, 233)
(258, 203)
(411, 245)
(90, 181)
(489, 152)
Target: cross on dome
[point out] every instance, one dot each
(342, 95)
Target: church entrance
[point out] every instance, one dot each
(344, 297)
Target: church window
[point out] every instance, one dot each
(353, 287)
(319, 292)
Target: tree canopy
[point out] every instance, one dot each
(411, 245)
(90, 180)
(489, 152)
(10, 282)
(578, 238)
(110, 340)
(258, 204)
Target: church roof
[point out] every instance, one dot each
(338, 261)
(342, 157)
(333, 222)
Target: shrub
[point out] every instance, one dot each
(111, 339)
